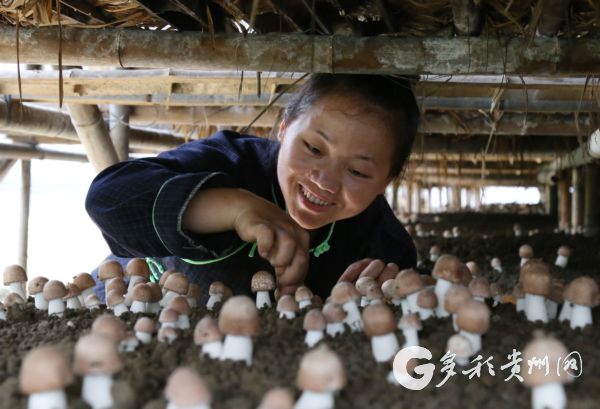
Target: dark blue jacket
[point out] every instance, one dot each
(138, 206)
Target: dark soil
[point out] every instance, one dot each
(279, 347)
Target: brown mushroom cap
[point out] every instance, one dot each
(583, 291)
(427, 299)
(239, 316)
(473, 316)
(177, 282)
(194, 291)
(138, 267)
(12, 299)
(110, 269)
(303, 293)
(333, 313)
(164, 276)
(72, 290)
(363, 283)
(518, 291)
(36, 285)
(407, 282)
(155, 292)
(378, 319)
(314, 320)
(14, 274)
(277, 398)
(435, 250)
(287, 303)
(206, 331)
(410, 321)
(387, 288)
(535, 278)
(321, 370)
(564, 251)
(166, 334)
(180, 305)
(473, 268)
(111, 327)
(496, 289)
(185, 388)
(141, 293)
(114, 298)
(54, 289)
(540, 348)
(217, 288)
(316, 301)
(262, 281)
(44, 369)
(92, 300)
(84, 281)
(427, 280)
(526, 251)
(455, 297)
(343, 292)
(168, 315)
(480, 287)
(374, 292)
(450, 268)
(556, 291)
(145, 324)
(117, 285)
(96, 354)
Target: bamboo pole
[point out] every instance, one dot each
(119, 129)
(564, 202)
(5, 167)
(25, 201)
(27, 152)
(302, 53)
(577, 201)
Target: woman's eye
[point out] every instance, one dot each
(359, 174)
(312, 149)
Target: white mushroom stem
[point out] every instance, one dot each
(454, 324)
(168, 325)
(40, 302)
(580, 316)
(73, 303)
(2, 315)
(204, 405)
(17, 288)
(56, 306)
(364, 301)
(138, 306)
(263, 300)
(304, 304)
(523, 261)
(153, 308)
(497, 300)
(166, 300)
(412, 337)
(288, 315)
(397, 302)
(566, 310)
(85, 294)
(384, 347)
(433, 257)
(120, 309)
(129, 344)
(474, 339)
(334, 328)
(498, 269)
(212, 300)
(315, 400)
(107, 284)
(441, 287)
(561, 261)
(96, 391)
(548, 396)
(183, 321)
(425, 313)
(479, 298)
(405, 306)
(312, 337)
(552, 309)
(55, 399)
(192, 301)
(237, 348)
(353, 318)
(535, 307)
(412, 302)
(144, 337)
(520, 306)
(133, 280)
(213, 349)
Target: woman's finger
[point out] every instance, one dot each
(353, 270)
(283, 250)
(295, 273)
(373, 269)
(390, 271)
(264, 237)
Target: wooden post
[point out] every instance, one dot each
(477, 197)
(119, 129)
(455, 198)
(5, 167)
(409, 195)
(25, 200)
(577, 204)
(417, 208)
(564, 203)
(591, 217)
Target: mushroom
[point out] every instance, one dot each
(519, 296)
(346, 295)
(480, 288)
(496, 290)
(314, 325)
(167, 335)
(54, 291)
(447, 234)
(583, 294)
(434, 253)
(320, 375)
(86, 284)
(2, 312)
(35, 288)
(426, 302)
(407, 285)
(239, 321)
(163, 279)
(109, 271)
(556, 297)
(455, 231)
(15, 278)
(216, 293)
(117, 285)
(387, 288)
(547, 389)
(303, 296)
(187, 390)
(473, 320)
(207, 335)
(361, 286)
(130, 343)
(567, 307)
(140, 298)
(45, 372)
(92, 302)
(410, 324)
(110, 326)
(277, 398)
(379, 323)
(153, 306)
(537, 283)
(287, 307)
(168, 318)
(562, 258)
(420, 230)
(194, 292)
(334, 315)
(72, 297)
(526, 253)
(496, 264)
(181, 306)
(517, 230)
(461, 347)
(473, 268)
(175, 284)
(137, 271)
(262, 282)
(144, 328)
(115, 300)
(374, 294)
(448, 270)
(97, 360)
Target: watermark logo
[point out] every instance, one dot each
(405, 367)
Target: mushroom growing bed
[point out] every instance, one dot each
(279, 347)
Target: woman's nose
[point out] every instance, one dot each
(326, 179)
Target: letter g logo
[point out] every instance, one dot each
(403, 369)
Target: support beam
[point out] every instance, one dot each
(119, 129)
(91, 129)
(5, 167)
(25, 201)
(203, 116)
(302, 53)
(577, 157)
(564, 202)
(591, 218)
(28, 152)
(577, 203)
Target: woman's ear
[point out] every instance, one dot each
(281, 130)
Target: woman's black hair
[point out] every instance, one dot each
(393, 95)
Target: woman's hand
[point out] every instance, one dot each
(367, 267)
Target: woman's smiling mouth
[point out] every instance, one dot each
(312, 202)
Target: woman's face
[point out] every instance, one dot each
(334, 160)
